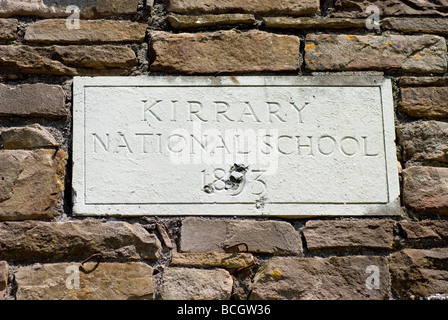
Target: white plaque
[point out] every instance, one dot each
(240, 146)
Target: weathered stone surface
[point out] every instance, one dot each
(189, 22)
(310, 23)
(419, 273)
(212, 259)
(418, 54)
(32, 136)
(335, 278)
(8, 29)
(427, 102)
(424, 141)
(416, 25)
(4, 272)
(37, 241)
(224, 51)
(55, 31)
(423, 81)
(67, 60)
(28, 100)
(195, 284)
(366, 234)
(288, 7)
(358, 8)
(207, 235)
(422, 230)
(58, 8)
(31, 183)
(103, 59)
(425, 189)
(103, 281)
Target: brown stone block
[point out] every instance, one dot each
(32, 182)
(425, 189)
(195, 284)
(208, 235)
(224, 51)
(417, 25)
(57, 8)
(418, 54)
(423, 230)
(313, 23)
(90, 31)
(32, 100)
(423, 81)
(420, 273)
(178, 21)
(289, 7)
(29, 137)
(8, 29)
(335, 278)
(38, 241)
(91, 281)
(365, 234)
(424, 141)
(358, 8)
(428, 102)
(212, 259)
(67, 60)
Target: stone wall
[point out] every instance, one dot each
(43, 247)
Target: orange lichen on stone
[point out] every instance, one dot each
(277, 274)
(311, 46)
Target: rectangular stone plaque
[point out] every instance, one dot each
(248, 146)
